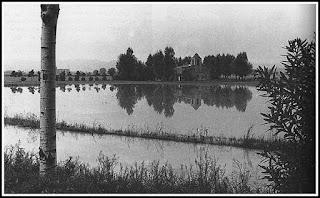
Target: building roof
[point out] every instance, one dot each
(196, 55)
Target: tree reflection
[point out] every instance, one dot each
(31, 89)
(226, 97)
(63, 88)
(163, 97)
(77, 86)
(242, 96)
(97, 89)
(16, 89)
(126, 96)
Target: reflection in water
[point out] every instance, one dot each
(162, 97)
(31, 89)
(63, 88)
(77, 86)
(16, 89)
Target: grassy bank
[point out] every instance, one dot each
(21, 175)
(247, 141)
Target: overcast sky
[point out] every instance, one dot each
(104, 30)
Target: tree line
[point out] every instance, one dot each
(161, 66)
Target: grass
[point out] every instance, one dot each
(201, 137)
(21, 175)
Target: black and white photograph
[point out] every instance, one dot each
(148, 98)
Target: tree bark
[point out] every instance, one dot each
(47, 149)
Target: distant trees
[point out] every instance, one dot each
(13, 73)
(183, 61)
(226, 65)
(16, 74)
(112, 71)
(158, 62)
(102, 71)
(161, 66)
(225, 68)
(169, 63)
(158, 66)
(76, 78)
(241, 66)
(62, 76)
(31, 73)
(219, 65)
(187, 75)
(126, 64)
(96, 72)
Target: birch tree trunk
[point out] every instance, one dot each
(47, 149)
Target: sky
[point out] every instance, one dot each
(103, 31)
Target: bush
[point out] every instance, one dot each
(292, 113)
(83, 79)
(90, 78)
(97, 79)
(70, 78)
(23, 79)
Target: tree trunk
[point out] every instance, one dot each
(47, 149)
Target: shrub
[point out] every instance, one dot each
(292, 113)
(70, 78)
(23, 79)
(83, 79)
(90, 78)
(97, 79)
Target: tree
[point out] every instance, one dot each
(19, 73)
(112, 71)
(186, 60)
(31, 73)
(187, 75)
(292, 113)
(158, 60)
(62, 76)
(47, 149)
(240, 66)
(13, 73)
(126, 65)
(150, 67)
(210, 63)
(169, 62)
(76, 78)
(103, 71)
(95, 72)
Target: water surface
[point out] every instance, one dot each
(218, 110)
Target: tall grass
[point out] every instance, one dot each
(200, 137)
(21, 175)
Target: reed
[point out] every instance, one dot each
(21, 175)
(202, 137)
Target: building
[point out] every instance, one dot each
(58, 71)
(198, 71)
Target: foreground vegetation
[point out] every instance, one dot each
(21, 175)
(247, 141)
(292, 113)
